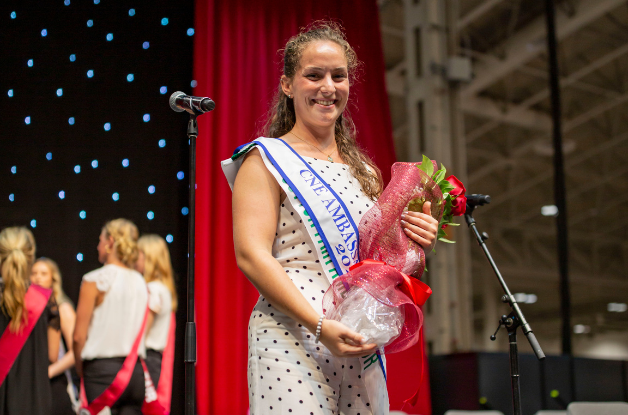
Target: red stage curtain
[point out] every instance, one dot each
(236, 62)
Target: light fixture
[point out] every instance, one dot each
(549, 210)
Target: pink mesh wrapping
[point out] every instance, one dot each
(382, 239)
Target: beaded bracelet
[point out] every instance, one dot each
(318, 328)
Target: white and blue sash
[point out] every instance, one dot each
(331, 227)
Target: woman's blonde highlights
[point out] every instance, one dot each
(157, 264)
(125, 235)
(17, 254)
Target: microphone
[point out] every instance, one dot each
(478, 200)
(180, 102)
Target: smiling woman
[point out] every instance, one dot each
(311, 184)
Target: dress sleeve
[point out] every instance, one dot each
(53, 320)
(154, 299)
(103, 280)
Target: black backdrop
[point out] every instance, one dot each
(39, 155)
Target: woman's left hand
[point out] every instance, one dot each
(422, 228)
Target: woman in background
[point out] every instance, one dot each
(154, 263)
(30, 319)
(45, 273)
(110, 323)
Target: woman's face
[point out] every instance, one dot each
(41, 275)
(139, 264)
(320, 87)
(104, 247)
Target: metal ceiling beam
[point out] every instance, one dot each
(527, 43)
(514, 111)
(573, 194)
(488, 108)
(546, 175)
(476, 13)
(569, 125)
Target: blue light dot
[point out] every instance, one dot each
(146, 45)
(77, 169)
(185, 211)
(115, 196)
(193, 83)
(30, 63)
(90, 73)
(13, 15)
(94, 164)
(151, 189)
(90, 23)
(146, 117)
(33, 223)
(79, 257)
(59, 92)
(150, 215)
(164, 21)
(163, 90)
(180, 175)
(169, 238)
(82, 214)
(71, 120)
(130, 77)
(48, 156)
(10, 93)
(190, 32)
(27, 120)
(131, 12)
(44, 33)
(125, 163)
(12, 197)
(107, 126)
(72, 57)
(66, 2)
(162, 143)
(109, 37)
(96, 1)
(61, 194)
(14, 169)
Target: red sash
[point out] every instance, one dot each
(158, 402)
(120, 382)
(11, 343)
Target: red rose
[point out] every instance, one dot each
(459, 202)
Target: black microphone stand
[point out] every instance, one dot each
(190, 327)
(512, 321)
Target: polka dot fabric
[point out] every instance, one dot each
(287, 372)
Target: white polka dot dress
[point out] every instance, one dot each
(287, 372)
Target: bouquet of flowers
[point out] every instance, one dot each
(380, 296)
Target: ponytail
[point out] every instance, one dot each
(17, 252)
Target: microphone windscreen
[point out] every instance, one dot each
(173, 101)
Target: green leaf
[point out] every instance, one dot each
(439, 175)
(445, 186)
(426, 166)
(446, 240)
(442, 167)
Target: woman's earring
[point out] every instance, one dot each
(290, 96)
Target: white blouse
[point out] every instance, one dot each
(159, 302)
(118, 319)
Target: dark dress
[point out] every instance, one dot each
(26, 389)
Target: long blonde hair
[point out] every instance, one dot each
(282, 117)
(125, 235)
(157, 265)
(17, 253)
(57, 282)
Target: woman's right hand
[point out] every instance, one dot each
(344, 342)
